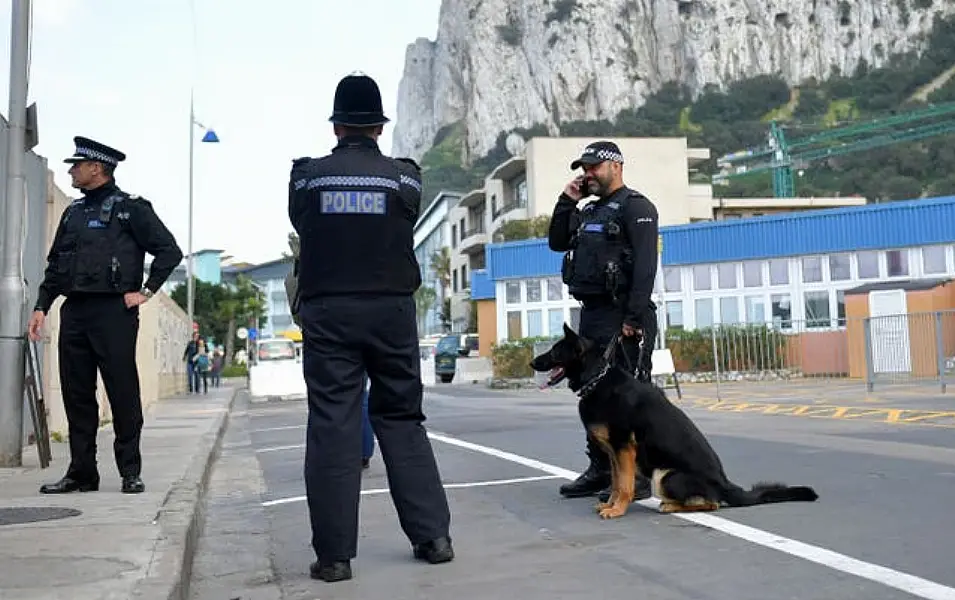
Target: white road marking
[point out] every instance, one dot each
(917, 586)
(447, 486)
(281, 448)
(285, 428)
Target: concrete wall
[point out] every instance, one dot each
(163, 332)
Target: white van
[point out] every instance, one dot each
(276, 370)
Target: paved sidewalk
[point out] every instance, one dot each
(114, 546)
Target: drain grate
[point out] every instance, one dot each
(34, 514)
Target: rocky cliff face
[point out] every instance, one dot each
(501, 64)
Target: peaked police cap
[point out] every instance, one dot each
(358, 102)
(87, 149)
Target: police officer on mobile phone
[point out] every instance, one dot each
(610, 266)
(97, 262)
(354, 211)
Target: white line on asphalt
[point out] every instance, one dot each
(281, 448)
(469, 484)
(285, 428)
(911, 584)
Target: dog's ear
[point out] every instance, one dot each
(569, 333)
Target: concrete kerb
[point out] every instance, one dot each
(180, 519)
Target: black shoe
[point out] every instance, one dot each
(340, 570)
(641, 490)
(365, 462)
(132, 484)
(68, 485)
(589, 483)
(435, 552)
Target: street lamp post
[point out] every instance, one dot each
(209, 137)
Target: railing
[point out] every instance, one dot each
(475, 230)
(909, 348)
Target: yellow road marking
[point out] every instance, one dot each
(934, 418)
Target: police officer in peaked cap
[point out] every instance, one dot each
(97, 262)
(610, 266)
(354, 211)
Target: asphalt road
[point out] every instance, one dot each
(882, 529)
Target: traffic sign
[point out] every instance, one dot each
(253, 333)
(241, 333)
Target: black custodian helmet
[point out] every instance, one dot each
(358, 102)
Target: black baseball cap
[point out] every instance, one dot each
(598, 152)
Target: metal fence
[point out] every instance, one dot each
(904, 348)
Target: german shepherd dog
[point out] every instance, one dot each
(639, 427)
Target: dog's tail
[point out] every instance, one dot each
(768, 493)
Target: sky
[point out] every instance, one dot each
(263, 75)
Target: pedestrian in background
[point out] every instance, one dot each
(97, 260)
(354, 212)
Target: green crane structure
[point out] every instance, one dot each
(782, 157)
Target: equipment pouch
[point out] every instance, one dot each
(567, 267)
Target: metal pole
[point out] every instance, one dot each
(12, 288)
(190, 289)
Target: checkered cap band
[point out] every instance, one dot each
(94, 155)
(604, 154)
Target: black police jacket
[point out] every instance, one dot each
(639, 223)
(354, 211)
(100, 247)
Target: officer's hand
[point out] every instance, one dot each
(134, 299)
(36, 324)
(574, 189)
(631, 331)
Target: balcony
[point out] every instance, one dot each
(474, 239)
(472, 199)
(508, 212)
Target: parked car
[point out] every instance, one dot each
(448, 350)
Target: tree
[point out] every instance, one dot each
(424, 298)
(219, 308)
(441, 266)
(294, 245)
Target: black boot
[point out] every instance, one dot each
(641, 490)
(594, 479)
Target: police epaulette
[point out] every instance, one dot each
(411, 162)
(298, 161)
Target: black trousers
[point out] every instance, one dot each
(345, 337)
(98, 332)
(601, 320)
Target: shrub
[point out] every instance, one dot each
(235, 370)
(511, 359)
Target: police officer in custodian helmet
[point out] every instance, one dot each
(354, 212)
(97, 262)
(610, 266)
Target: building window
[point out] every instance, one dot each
(933, 260)
(535, 323)
(753, 273)
(726, 275)
(465, 282)
(514, 325)
(512, 292)
(674, 309)
(672, 282)
(839, 267)
(575, 318)
(841, 308)
(555, 289)
(454, 280)
(701, 277)
(868, 264)
(811, 269)
(704, 312)
(555, 321)
(454, 236)
(533, 290)
(520, 194)
(782, 310)
(817, 309)
(755, 309)
(779, 271)
(729, 310)
(897, 263)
